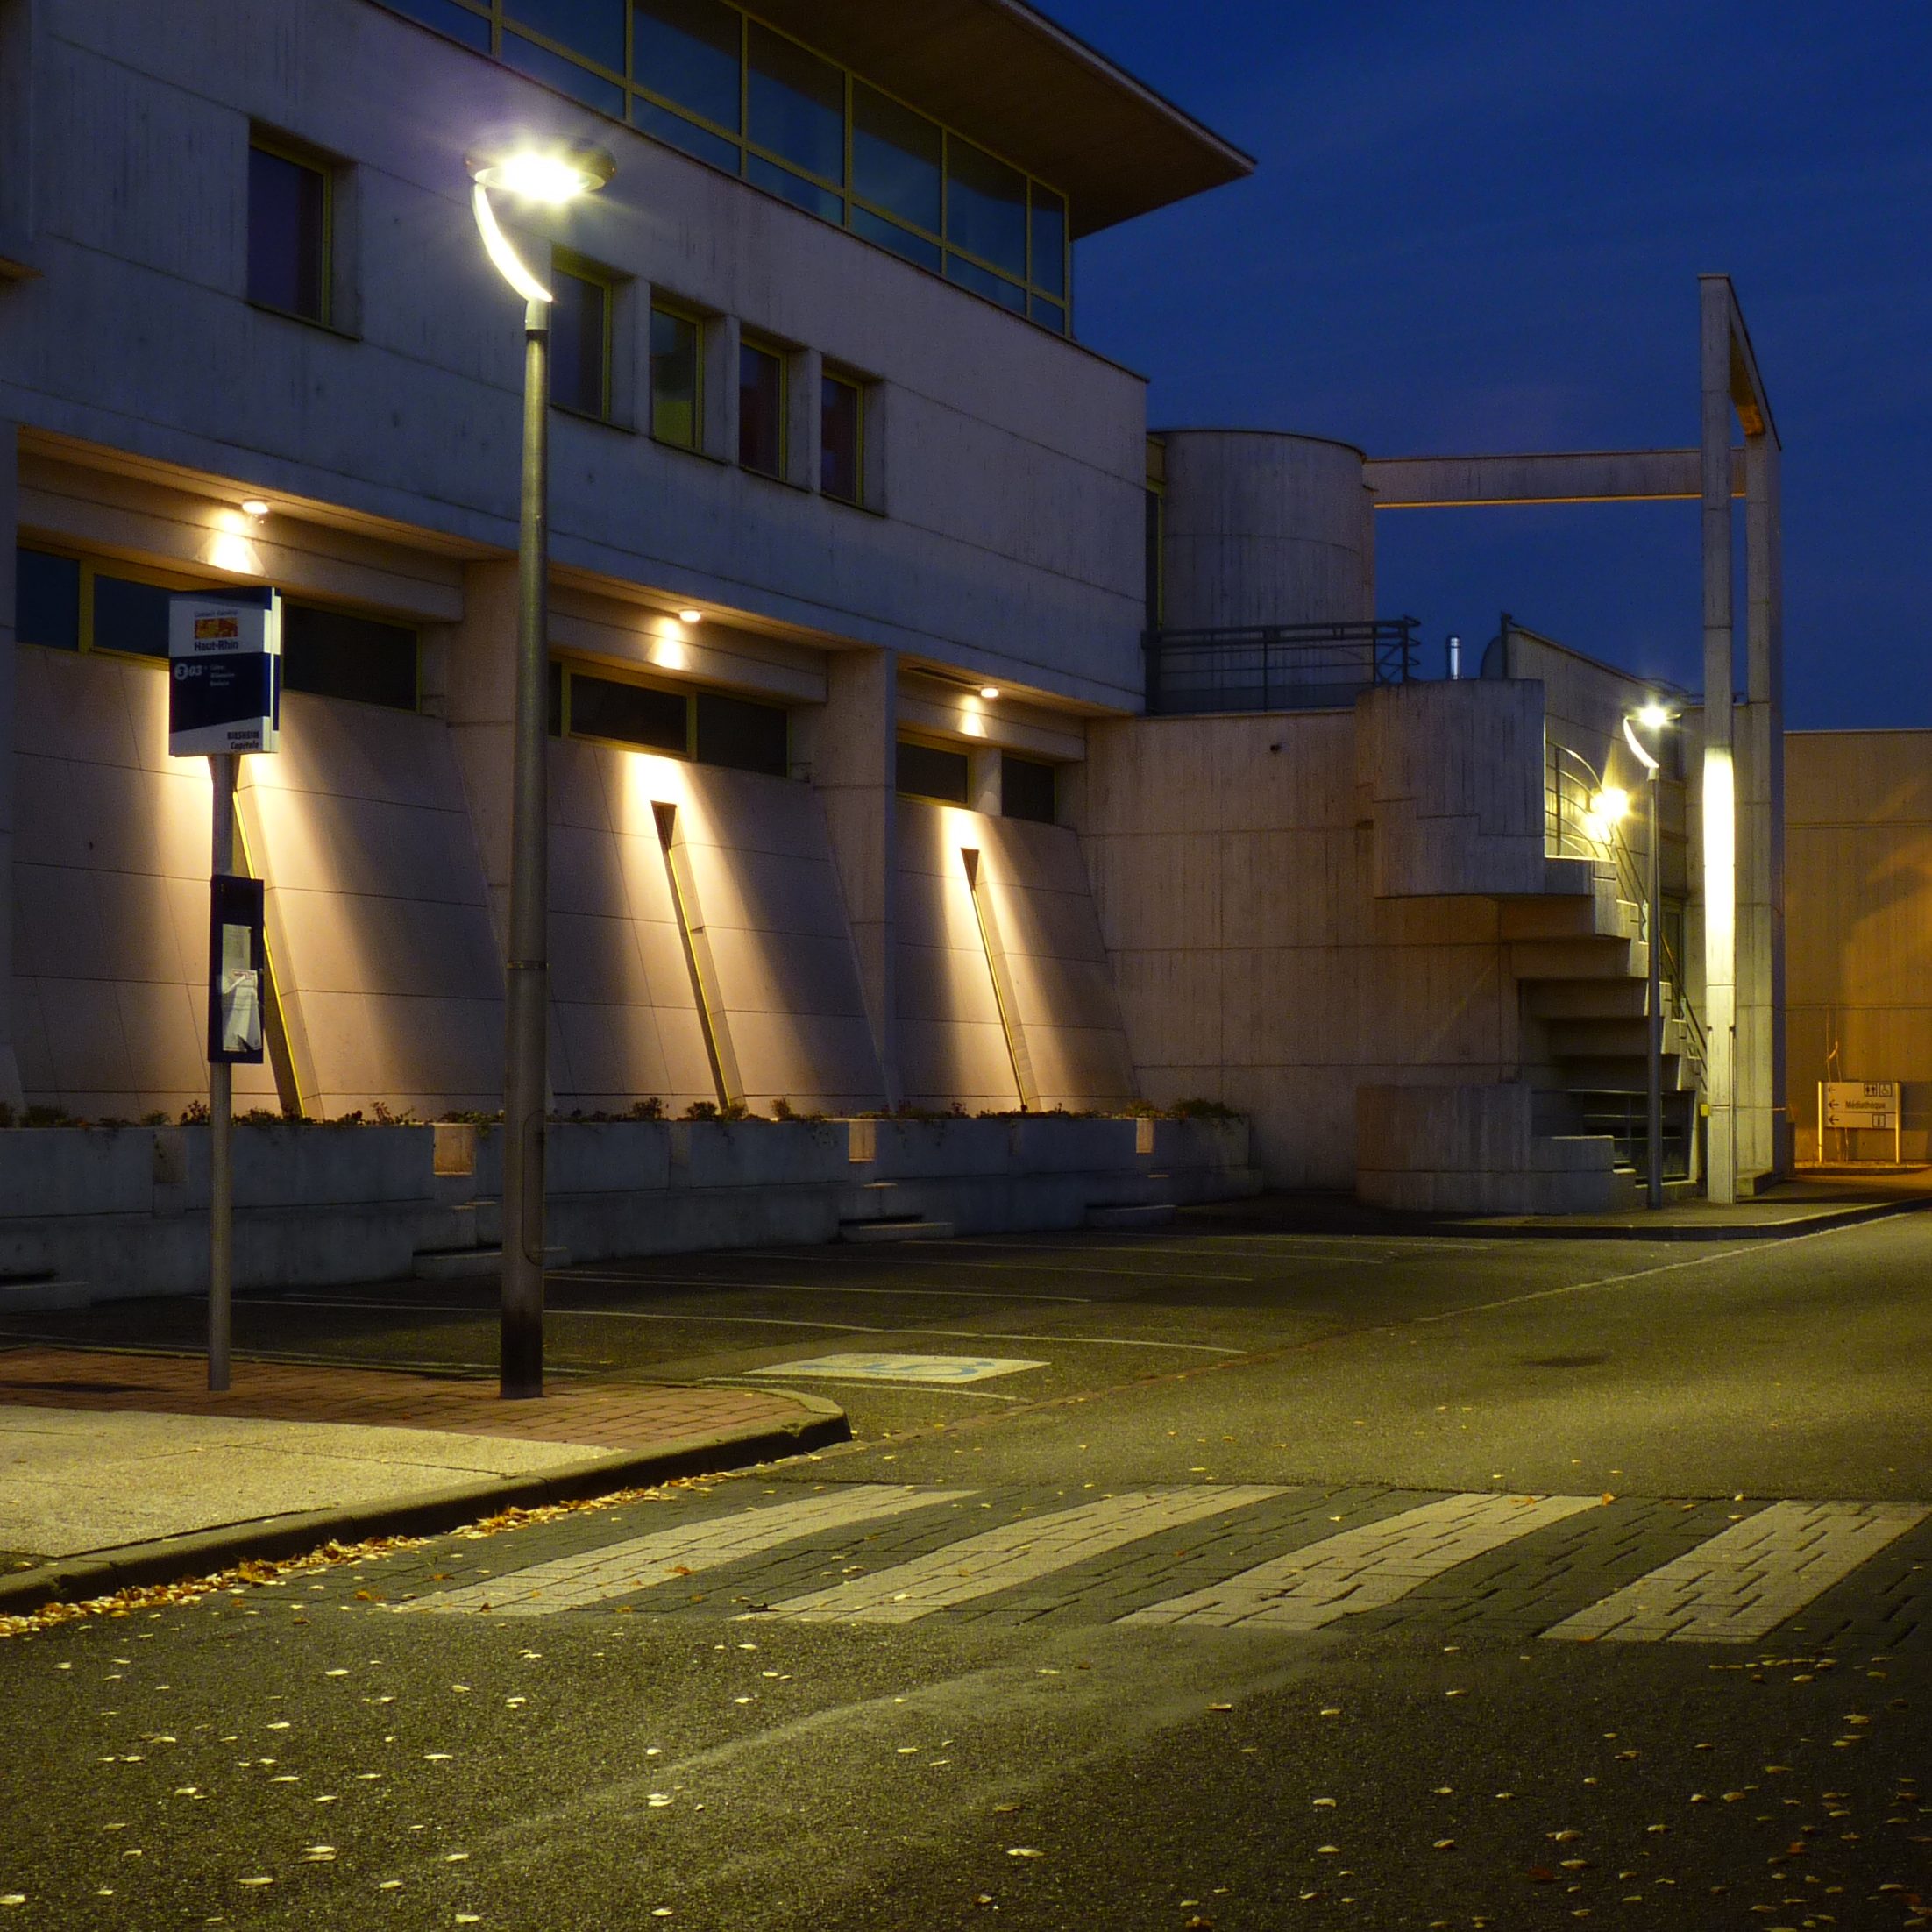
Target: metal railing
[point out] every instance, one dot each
(1572, 828)
(1277, 667)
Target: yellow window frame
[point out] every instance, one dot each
(700, 324)
(764, 346)
(320, 164)
(595, 276)
(858, 386)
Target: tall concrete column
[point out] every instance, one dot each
(10, 492)
(1764, 1129)
(1720, 817)
(855, 768)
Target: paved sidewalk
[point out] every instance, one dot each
(122, 1468)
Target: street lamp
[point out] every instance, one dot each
(552, 173)
(1653, 717)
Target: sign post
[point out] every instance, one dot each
(1854, 1106)
(224, 699)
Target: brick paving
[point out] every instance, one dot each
(623, 1415)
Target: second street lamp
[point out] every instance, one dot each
(551, 172)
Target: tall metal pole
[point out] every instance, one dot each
(222, 766)
(525, 1082)
(1654, 1068)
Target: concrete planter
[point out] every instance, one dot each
(123, 1211)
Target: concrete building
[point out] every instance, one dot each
(924, 735)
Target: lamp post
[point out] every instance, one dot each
(550, 172)
(1653, 717)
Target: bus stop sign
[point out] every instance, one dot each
(224, 666)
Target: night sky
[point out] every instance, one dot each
(1480, 228)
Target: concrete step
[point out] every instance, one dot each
(465, 1264)
(1597, 917)
(1610, 1039)
(1589, 958)
(1587, 1000)
(1625, 1073)
(895, 1228)
(1147, 1214)
(39, 1298)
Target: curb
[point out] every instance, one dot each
(173, 1559)
(1683, 1231)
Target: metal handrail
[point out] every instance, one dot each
(1276, 667)
(1584, 782)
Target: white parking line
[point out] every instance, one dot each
(1746, 1579)
(1016, 1553)
(616, 1569)
(1363, 1569)
(815, 1287)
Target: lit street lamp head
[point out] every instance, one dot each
(1654, 716)
(531, 168)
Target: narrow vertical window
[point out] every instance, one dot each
(761, 410)
(675, 415)
(841, 440)
(287, 234)
(581, 343)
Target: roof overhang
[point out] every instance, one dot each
(1002, 72)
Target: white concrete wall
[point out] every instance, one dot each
(1264, 528)
(1011, 460)
(1233, 868)
(956, 1042)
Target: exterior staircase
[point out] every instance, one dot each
(1468, 797)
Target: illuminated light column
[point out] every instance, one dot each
(1719, 803)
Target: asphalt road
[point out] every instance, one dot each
(1236, 1610)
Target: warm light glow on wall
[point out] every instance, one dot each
(229, 548)
(970, 721)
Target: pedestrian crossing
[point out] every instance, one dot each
(1183, 1558)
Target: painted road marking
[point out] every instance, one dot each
(1366, 1568)
(616, 1569)
(1747, 1579)
(1016, 1553)
(915, 1369)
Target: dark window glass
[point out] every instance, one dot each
(593, 28)
(774, 180)
(797, 105)
(986, 208)
(331, 653)
(841, 416)
(1049, 265)
(607, 96)
(688, 52)
(46, 599)
(553, 695)
(885, 234)
(674, 378)
(447, 18)
(579, 343)
(924, 772)
(600, 708)
(1049, 314)
(287, 235)
(761, 410)
(738, 733)
(896, 158)
(1026, 789)
(677, 131)
(130, 616)
(982, 282)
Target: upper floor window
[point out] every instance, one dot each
(719, 83)
(289, 219)
(761, 409)
(841, 438)
(580, 336)
(677, 376)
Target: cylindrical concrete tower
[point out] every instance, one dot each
(1266, 528)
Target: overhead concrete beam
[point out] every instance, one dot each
(1582, 476)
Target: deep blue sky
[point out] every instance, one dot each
(1480, 228)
